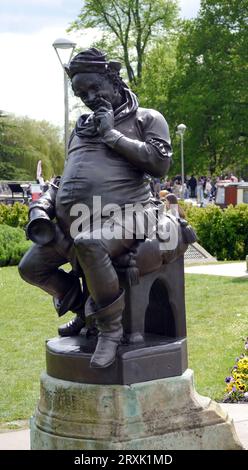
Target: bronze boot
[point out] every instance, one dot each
(109, 324)
(73, 301)
(73, 327)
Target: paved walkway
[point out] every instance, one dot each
(19, 440)
(15, 440)
(239, 414)
(220, 269)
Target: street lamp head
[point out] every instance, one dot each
(67, 47)
(181, 128)
(62, 43)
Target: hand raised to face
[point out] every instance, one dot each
(103, 116)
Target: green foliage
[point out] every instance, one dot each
(23, 142)
(13, 245)
(11, 172)
(224, 233)
(132, 24)
(208, 223)
(159, 63)
(209, 90)
(16, 215)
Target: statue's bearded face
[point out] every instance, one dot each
(91, 87)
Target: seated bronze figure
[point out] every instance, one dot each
(111, 152)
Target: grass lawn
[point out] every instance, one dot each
(217, 315)
(217, 323)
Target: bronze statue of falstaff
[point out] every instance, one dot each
(110, 153)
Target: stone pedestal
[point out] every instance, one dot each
(163, 414)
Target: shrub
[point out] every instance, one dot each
(237, 382)
(222, 232)
(235, 221)
(15, 216)
(13, 245)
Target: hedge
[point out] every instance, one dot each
(15, 216)
(13, 245)
(222, 232)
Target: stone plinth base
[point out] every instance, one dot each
(165, 414)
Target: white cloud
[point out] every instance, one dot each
(31, 81)
(32, 76)
(26, 16)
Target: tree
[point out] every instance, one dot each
(159, 64)
(132, 24)
(23, 142)
(11, 172)
(209, 90)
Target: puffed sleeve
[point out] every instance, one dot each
(153, 153)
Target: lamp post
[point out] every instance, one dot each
(181, 128)
(69, 46)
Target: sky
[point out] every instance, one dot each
(31, 77)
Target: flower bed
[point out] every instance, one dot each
(237, 382)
